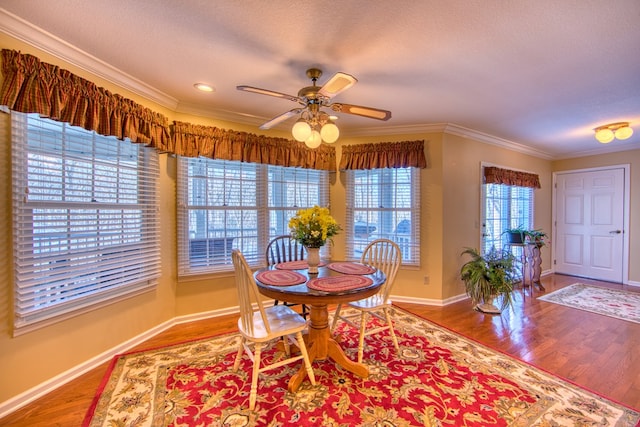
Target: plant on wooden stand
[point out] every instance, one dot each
(515, 235)
(489, 277)
(537, 237)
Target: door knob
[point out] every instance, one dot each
(615, 232)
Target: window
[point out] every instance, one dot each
(85, 219)
(384, 203)
(227, 204)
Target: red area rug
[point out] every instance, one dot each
(439, 379)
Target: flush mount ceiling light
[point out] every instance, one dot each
(314, 125)
(204, 87)
(607, 133)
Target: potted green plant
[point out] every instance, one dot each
(515, 235)
(489, 277)
(537, 237)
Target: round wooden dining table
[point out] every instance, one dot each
(338, 282)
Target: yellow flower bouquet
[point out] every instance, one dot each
(313, 227)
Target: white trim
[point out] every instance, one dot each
(497, 141)
(626, 211)
(48, 386)
(34, 393)
(428, 301)
(37, 37)
(605, 149)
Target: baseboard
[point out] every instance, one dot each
(23, 399)
(429, 301)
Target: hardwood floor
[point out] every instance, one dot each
(599, 353)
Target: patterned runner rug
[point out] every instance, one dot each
(439, 379)
(609, 302)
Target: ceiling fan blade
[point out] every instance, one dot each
(372, 113)
(336, 84)
(281, 118)
(269, 92)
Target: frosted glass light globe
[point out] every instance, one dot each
(624, 133)
(330, 133)
(301, 130)
(604, 135)
(314, 140)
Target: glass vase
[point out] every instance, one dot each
(313, 259)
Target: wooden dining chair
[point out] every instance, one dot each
(283, 249)
(385, 255)
(259, 325)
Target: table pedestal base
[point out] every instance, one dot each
(320, 346)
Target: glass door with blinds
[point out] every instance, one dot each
(504, 207)
(507, 202)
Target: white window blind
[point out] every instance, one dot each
(224, 205)
(384, 203)
(85, 216)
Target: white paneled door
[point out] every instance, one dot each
(590, 219)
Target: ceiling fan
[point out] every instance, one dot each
(315, 125)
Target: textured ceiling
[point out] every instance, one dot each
(539, 74)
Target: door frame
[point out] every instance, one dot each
(625, 209)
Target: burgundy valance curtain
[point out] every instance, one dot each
(33, 86)
(494, 175)
(211, 142)
(383, 155)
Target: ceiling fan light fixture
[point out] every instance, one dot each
(314, 140)
(608, 133)
(314, 125)
(301, 130)
(330, 133)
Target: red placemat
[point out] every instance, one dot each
(296, 265)
(339, 283)
(280, 277)
(351, 268)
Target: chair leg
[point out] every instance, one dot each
(393, 334)
(254, 377)
(363, 321)
(286, 345)
(236, 364)
(336, 316)
(305, 357)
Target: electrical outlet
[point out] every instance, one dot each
(426, 280)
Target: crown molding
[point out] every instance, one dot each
(220, 114)
(28, 33)
(610, 148)
(454, 129)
